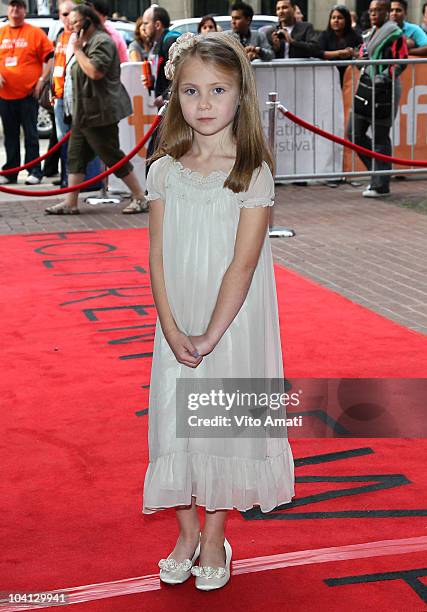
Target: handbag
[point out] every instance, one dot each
(364, 95)
(46, 94)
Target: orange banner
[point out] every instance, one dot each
(410, 129)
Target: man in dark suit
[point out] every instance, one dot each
(291, 39)
(156, 24)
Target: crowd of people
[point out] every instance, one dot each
(81, 60)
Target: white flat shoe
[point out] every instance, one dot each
(176, 572)
(209, 578)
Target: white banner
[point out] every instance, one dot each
(133, 128)
(311, 92)
(314, 94)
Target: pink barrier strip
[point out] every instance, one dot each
(336, 553)
(151, 582)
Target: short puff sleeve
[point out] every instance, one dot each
(260, 191)
(155, 183)
(101, 54)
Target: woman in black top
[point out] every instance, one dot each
(339, 40)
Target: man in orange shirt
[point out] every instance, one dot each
(23, 51)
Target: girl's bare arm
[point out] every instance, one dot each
(158, 288)
(178, 341)
(251, 233)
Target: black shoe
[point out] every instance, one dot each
(7, 179)
(376, 193)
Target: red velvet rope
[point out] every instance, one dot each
(350, 145)
(95, 179)
(33, 162)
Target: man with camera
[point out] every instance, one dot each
(292, 38)
(255, 42)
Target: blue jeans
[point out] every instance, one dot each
(61, 129)
(14, 115)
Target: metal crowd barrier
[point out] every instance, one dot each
(413, 89)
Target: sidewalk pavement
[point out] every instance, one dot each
(372, 251)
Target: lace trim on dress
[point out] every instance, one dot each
(213, 179)
(255, 203)
(198, 177)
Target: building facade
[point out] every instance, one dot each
(316, 11)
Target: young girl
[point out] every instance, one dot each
(210, 188)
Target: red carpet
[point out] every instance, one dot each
(77, 338)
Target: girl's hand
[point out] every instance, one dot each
(183, 348)
(203, 345)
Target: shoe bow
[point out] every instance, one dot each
(208, 572)
(173, 565)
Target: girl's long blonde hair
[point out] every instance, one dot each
(176, 136)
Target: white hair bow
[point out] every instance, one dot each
(185, 41)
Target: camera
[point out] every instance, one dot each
(280, 34)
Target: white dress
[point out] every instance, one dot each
(199, 229)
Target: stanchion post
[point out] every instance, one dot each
(272, 121)
(272, 103)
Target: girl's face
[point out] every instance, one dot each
(337, 21)
(209, 97)
(207, 27)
